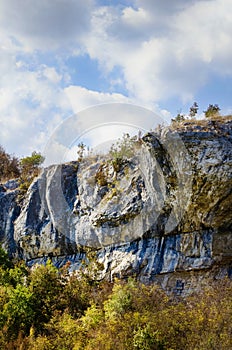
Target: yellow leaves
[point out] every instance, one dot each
(70, 313)
(93, 316)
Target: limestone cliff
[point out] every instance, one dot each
(163, 214)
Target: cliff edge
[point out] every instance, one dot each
(162, 214)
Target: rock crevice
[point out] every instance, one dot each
(164, 212)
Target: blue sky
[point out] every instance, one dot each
(59, 57)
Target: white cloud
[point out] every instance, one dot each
(162, 49)
(31, 104)
(82, 98)
(51, 74)
(165, 49)
(208, 25)
(45, 25)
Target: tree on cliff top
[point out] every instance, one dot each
(30, 165)
(212, 111)
(193, 110)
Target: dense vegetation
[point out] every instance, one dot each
(45, 308)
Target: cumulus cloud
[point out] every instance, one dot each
(162, 49)
(43, 24)
(31, 104)
(32, 100)
(81, 98)
(165, 49)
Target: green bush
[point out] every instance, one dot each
(122, 150)
(29, 167)
(212, 111)
(179, 118)
(43, 308)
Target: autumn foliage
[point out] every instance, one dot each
(45, 308)
(9, 165)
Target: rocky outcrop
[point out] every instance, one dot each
(9, 211)
(164, 214)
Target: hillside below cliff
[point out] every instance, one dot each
(163, 213)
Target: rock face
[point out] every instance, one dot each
(163, 215)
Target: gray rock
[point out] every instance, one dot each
(11, 184)
(165, 212)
